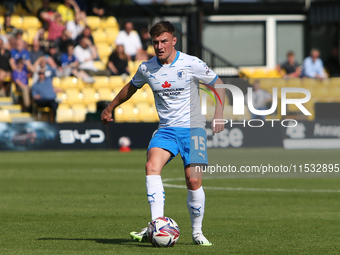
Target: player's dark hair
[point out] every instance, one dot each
(162, 27)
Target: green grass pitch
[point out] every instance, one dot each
(87, 202)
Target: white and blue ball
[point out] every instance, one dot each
(163, 232)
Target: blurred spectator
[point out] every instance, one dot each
(68, 10)
(18, 33)
(260, 100)
(5, 68)
(63, 41)
(118, 61)
(36, 52)
(19, 52)
(53, 53)
(291, 68)
(130, 39)
(87, 34)
(332, 64)
(74, 27)
(19, 76)
(147, 43)
(313, 66)
(40, 37)
(43, 93)
(86, 53)
(9, 5)
(7, 27)
(70, 65)
(98, 8)
(5, 42)
(44, 63)
(45, 8)
(55, 25)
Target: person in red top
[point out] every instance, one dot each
(55, 25)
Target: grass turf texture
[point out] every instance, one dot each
(87, 202)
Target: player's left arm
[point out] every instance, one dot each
(217, 128)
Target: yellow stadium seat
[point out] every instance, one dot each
(99, 65)
(150, 50)
(110, 22)
(116, 81)
(73, 96)
(92, 107)
(104, 61)
(139, 97)
(64, 113)
(16, 21)
(61, 97)
(93, 22)
(147, 113)
(101, 81)
(99, 36)
(5, 116)
(150, 96)
(69, 82)
(79, 112)
(103, 49)
(31, 32)
(131, 65)
(56, 82)
(126, 113)
(106, 94)
(31, 22)
(111, 34)
(246, 71)
(89, 95)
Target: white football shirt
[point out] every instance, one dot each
(176, 88)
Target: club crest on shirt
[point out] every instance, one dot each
(181, 74)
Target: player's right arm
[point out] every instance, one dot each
(127, 91)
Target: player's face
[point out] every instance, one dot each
(164, 46)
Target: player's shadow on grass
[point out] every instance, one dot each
(119, 241)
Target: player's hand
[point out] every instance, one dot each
(217, 126)
(106, 116)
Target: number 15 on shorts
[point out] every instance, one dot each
(198, 147)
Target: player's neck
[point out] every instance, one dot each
(170, 59)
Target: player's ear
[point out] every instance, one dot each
(174, 41)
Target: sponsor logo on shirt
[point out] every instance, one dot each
(166, 85)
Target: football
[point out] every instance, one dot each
(163, 232)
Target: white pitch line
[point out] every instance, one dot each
(246, 189)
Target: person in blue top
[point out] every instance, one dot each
(19, 52)
(313, 65)
(43, 93)
(70, 64)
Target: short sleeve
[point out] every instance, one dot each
(139, 79)
(204, 73)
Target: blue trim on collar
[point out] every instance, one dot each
(173, 62)
(176, 58)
